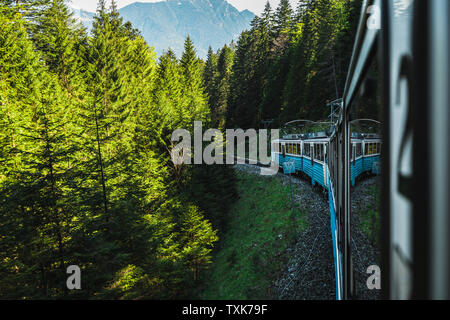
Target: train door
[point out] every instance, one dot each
(361, 203)
(416, 61)
(345, 258)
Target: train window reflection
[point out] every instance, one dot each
(365, 182)
(358, 150)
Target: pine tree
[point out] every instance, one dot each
(170, 104)
(283, 18)
(192, 68)
(62, 42)
(35, 189)
(197, 238)
(220, 109)
(267, 18)
(209, 77)
(302, 8)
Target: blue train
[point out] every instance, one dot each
(315, 156)
(309, 154)
(401, 64)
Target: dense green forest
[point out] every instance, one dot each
(86, 176)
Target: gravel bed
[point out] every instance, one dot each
(309, 274)
(364, 252)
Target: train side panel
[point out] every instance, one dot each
(318, 174)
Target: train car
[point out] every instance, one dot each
(365, 156)
(402, 49)
(400, 74)
(307, 152)
(315, 156)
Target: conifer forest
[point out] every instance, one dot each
(86, 119)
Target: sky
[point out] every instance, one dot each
(256, 6)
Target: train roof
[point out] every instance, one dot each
(326, 135)
(307, 136)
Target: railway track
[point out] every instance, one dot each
(309, 274)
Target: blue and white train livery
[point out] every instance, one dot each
(315, 156)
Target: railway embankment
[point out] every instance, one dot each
(261, 257)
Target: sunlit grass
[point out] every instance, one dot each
(260, 229)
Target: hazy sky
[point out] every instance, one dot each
(256, 6)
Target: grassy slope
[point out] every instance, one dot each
(253, 248)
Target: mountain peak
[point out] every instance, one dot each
(165, 24)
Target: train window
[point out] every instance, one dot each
(307, 147)
(370, 149)
(373, 149)
(319, 152)
(365, 181)
(295, 149)
(358, 150)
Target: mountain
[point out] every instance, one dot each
(166, 24)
